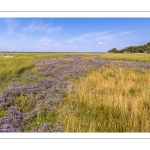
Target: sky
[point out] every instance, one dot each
(72, 34)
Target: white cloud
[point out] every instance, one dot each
(11, 24)
(53, 29)
(74, 47)
(98, 36)
(57, 45)
(101, 43)
(39, 26)
(36, 26)
(125, 32)
(46, 44)
(89, 36)
(112, 36)
(21, 36)
(45, 40)
(71, 41)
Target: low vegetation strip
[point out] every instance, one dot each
(127, 57)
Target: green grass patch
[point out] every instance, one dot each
(127, 57)
(2, 112)
(45, 117)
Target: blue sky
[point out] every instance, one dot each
(72, 34)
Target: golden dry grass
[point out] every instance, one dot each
(111, 99)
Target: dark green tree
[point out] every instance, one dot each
(133, 49)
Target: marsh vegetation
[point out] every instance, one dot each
(74, 92)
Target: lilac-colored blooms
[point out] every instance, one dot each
(13, 121)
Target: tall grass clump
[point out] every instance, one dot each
(111, 99)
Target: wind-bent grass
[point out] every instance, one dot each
(12, 65)
(110, 99)
(131, 57)
(18, 63)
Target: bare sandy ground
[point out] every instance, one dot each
(8, 56)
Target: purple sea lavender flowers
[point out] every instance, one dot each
(13, 121)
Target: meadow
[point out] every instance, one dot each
(140, 57)
(74, 92)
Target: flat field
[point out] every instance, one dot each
(74, 92)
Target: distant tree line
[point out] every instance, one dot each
(133, 49)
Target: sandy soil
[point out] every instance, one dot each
(8, 56)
